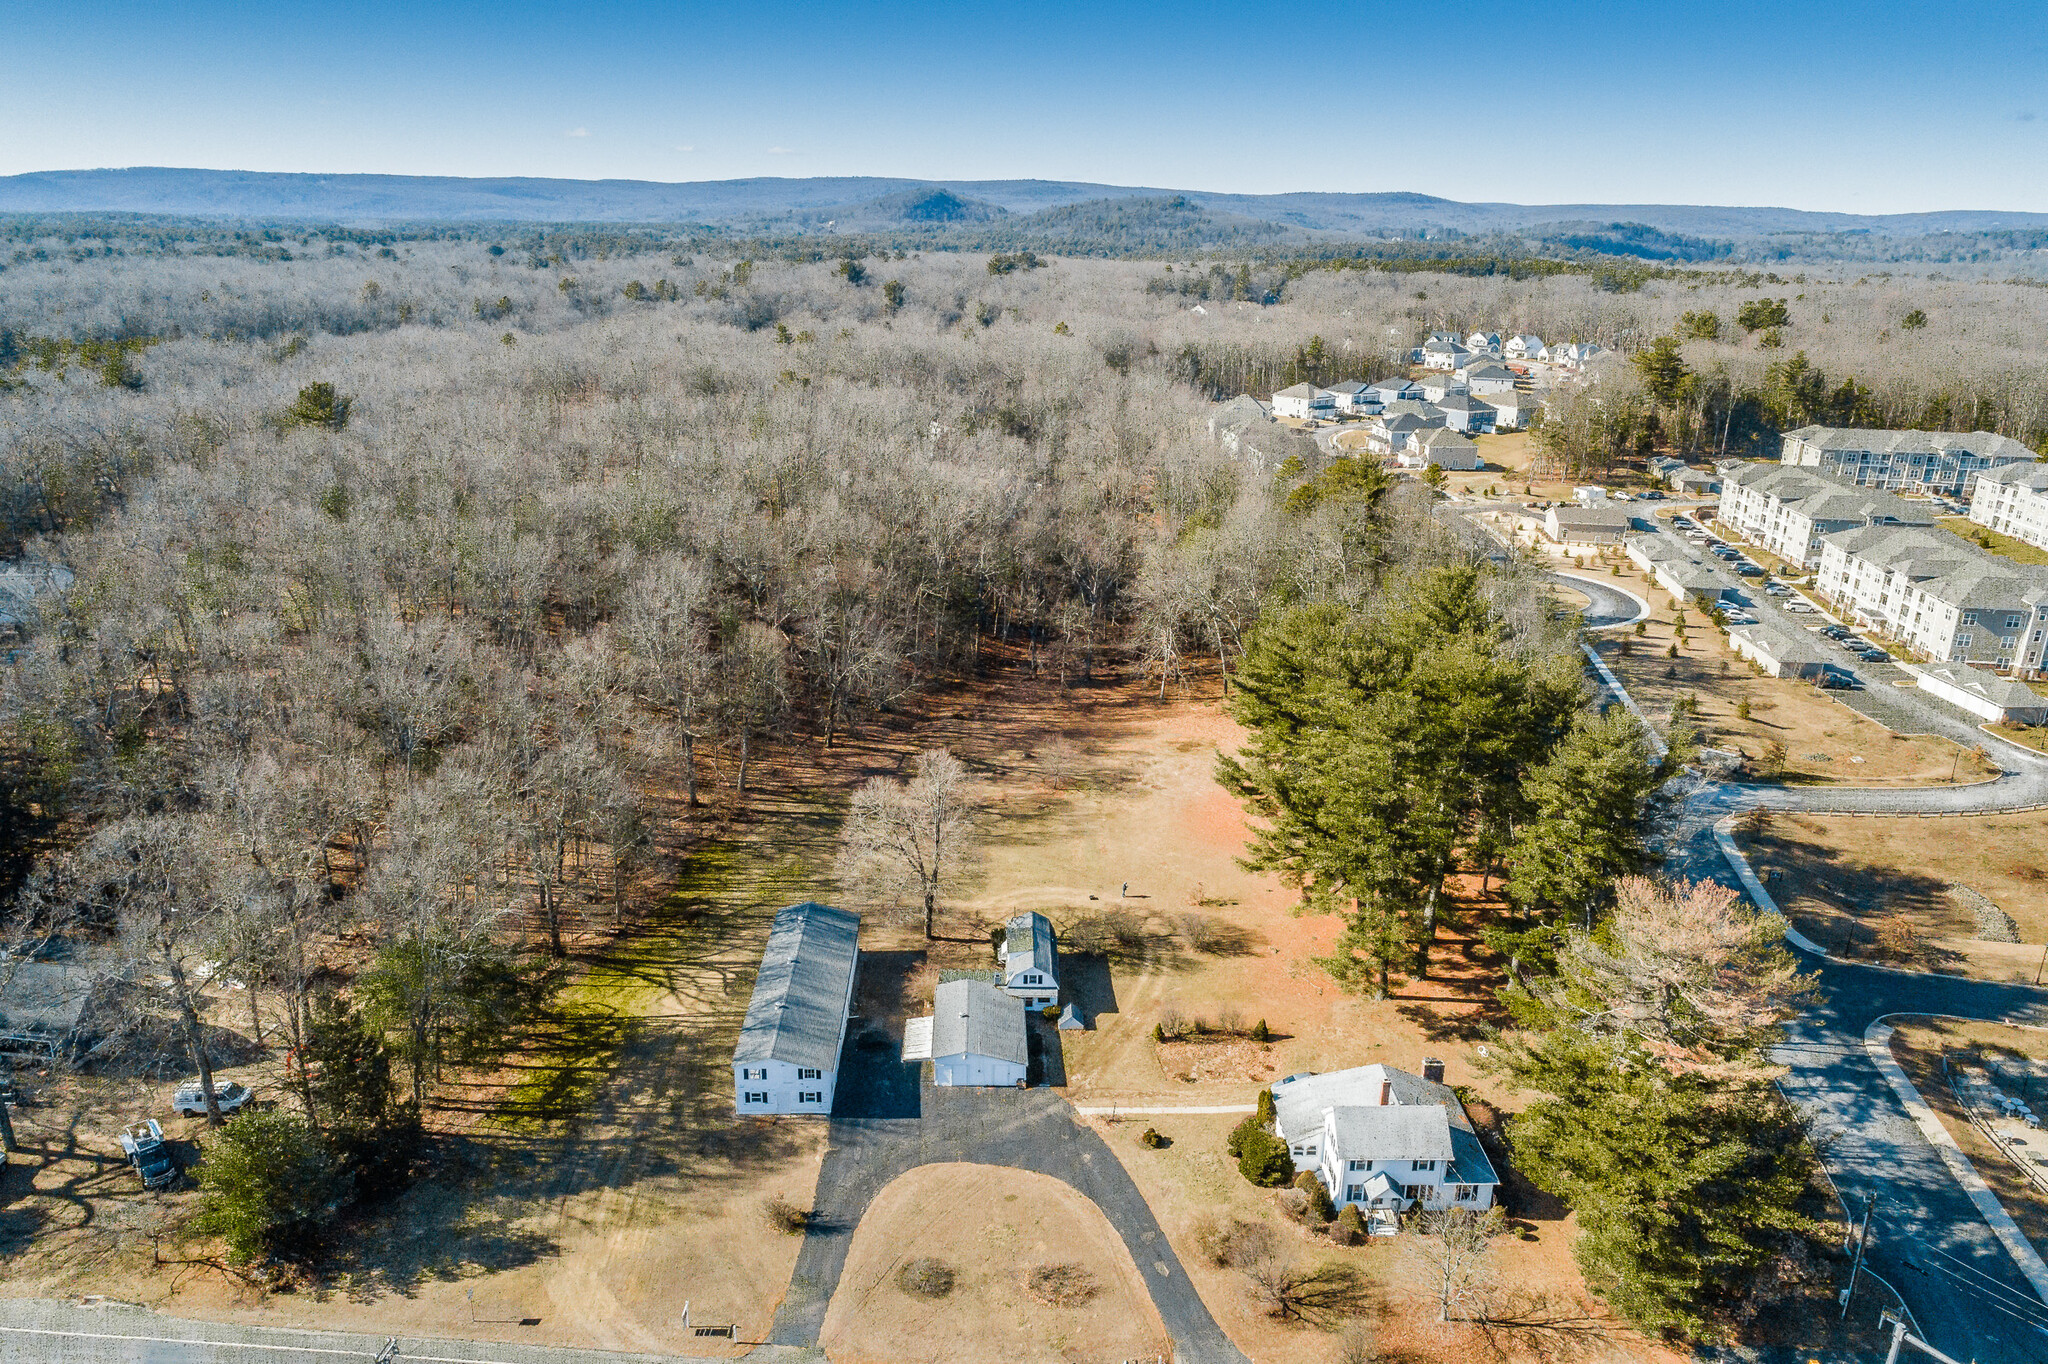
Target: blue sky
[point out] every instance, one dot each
(1872, 107)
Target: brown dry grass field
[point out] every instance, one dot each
(1919, 1045)
(998, 1226)
(1844, 880)
(2019, 551)
(1826, 743)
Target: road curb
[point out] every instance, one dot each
(1877, 1045)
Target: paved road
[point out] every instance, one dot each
(116, 1333)
(1027, 1130)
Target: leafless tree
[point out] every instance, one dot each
(916, 835)
(1450, 1259)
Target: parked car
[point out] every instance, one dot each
(1799, 607)
(144, 1143)
(1778, 589)
(1739, 618)
(1836, 682)
(190, 1100)
(1875, 656)
(1834, 632)
(1651, 496)
(1749, 570)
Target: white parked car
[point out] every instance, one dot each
(190, 1100)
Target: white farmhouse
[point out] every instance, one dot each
(1442, 447)
(1489, 379)
(1437, 387)
(1483, 343)
(1463, 412)
(1030, 971)
(975, 1036)
(787, 1060)
(1384, 1139)
(1394, 391)
(1447, 355)
(1523, 347)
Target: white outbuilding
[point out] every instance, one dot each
(787, 1060)
(977, 1035)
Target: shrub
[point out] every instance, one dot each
(1050, 1013)
(1158, 1032)
(1263, 1159)
(1061, 1285)
(1234, 1143)
(267, 1185)
(785, 1216)
(1319, 1205)
(1153, 1139)
(1262, 1033)
(1235, 1242)
(1266, 1113)
(1352, 1221)
(319, 405)
(925, 1277)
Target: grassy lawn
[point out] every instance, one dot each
(1844, 880)
(2019, 551)
(1825, 742)
(998, 1225)
(1919, 1046)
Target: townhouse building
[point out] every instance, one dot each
(1940, 463)
(2012, 499)
(1788, 510)
(1939, 594)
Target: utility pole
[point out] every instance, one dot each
(1856, 1266)
(1902, 1337)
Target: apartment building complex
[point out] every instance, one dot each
(1788, 510)
(1938, 593)
(2013, 500)
(1942, 463)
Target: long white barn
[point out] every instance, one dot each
(787, 1060)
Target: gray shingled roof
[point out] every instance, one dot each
(2000, 691)
(2032, 476)
(1490, 371)
(1465, 402)
(1946, 567)
(1786, 648)
(1824, 497)
(1394, 1131)
(970, 1017)
(1297, 391)
(1298, 1104)
(1027, 944)
(798, 1012)
(1984, 444)
(42, 997)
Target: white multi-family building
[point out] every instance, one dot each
(1437, 387)
(1384, 1139)
(1788, 510)
(1943, 463)
(2012, 499)
(787, 1060)
(1941, 595)
(1483, 343)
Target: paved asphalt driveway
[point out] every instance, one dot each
(1032, 1129)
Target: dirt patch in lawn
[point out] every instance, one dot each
(1920, 1045)
(1823, 742)
(991, 1228)
(1883, 889)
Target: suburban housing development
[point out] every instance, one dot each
(2012, 499)
(1937, 592)
(1786, 509)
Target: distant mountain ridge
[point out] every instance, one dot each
(867, 202)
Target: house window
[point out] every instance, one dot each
(1415, 1192)
(1425, 1165)
(811, 1097)
(748, 1073)
(1969, 617)
(760, 1098)
(1963, 640)
(1034, 980)
(1467, 1192)
(1361, 1165)
(1354, 1193)
(807, 1075)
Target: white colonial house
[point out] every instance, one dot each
(1788, 510)
(787, 1060)
(1394, 390)
(1304, 402)
(1483, 343)
(1944, 463)
(2012, 499)
(1353, 397)
(1030, 968)
(1574, 355)
(1384, 1139)
(1512, 410)
(1940, 594)
(1524, 347)
(975, 1036)
(1437, 387)
(1445, 355)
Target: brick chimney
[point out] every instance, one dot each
(1386, 1092)
(1432, 1070)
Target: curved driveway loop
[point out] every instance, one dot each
(1026, 1130)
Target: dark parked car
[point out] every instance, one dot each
(1834, 632)
(1874, 656)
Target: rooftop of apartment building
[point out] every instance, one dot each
(1823, 497)
(1984, 444)
(1945, 566)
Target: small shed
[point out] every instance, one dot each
(978, 1035)
(1071, 1020)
